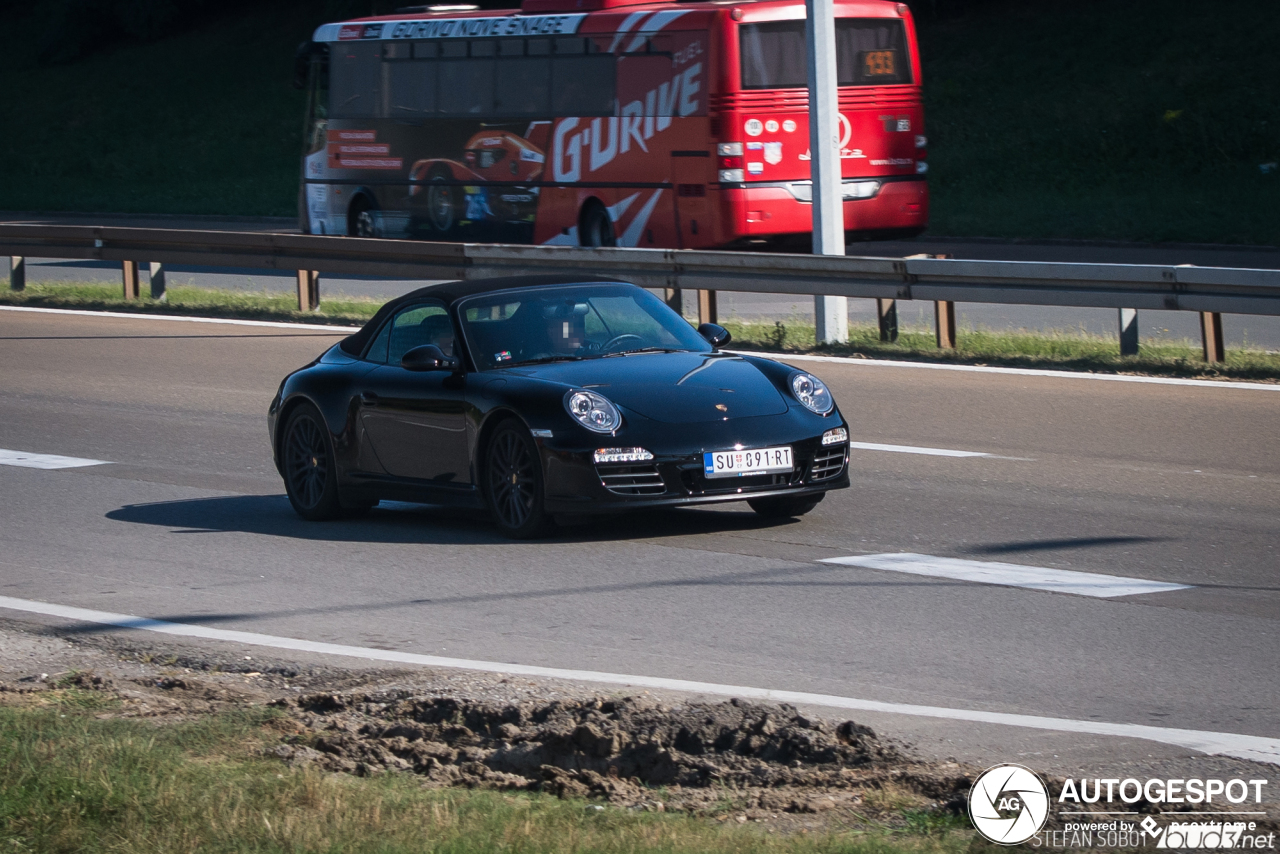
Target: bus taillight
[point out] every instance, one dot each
(731, 158)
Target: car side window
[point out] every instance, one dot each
(412, 327)
(418, 325)
(378, 349)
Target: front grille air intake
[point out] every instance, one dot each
(632, 480)
(828, 463)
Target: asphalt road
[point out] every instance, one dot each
(1176, 483)
(1154, 326)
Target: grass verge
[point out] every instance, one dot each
(1061, 350)
(190, 300)
(72, 779)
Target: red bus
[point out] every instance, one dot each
(606, 122)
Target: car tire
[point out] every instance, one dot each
(310, 472)
(513, 483)
(785, 507)
(442, 203)
(595, 227)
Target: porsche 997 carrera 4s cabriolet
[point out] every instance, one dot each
(539, 397)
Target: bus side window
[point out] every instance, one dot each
(523, 87)
(466, 85)
(410, 86)
(355, 77)
(583, 85)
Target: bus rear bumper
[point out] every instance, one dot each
(773, 211)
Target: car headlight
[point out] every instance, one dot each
(813, 393)
(593, 411)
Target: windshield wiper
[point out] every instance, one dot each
(542, 360)
(644, 350)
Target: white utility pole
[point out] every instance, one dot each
(831, 313)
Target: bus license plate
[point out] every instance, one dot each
(741, 463)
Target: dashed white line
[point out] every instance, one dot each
(910, 449)
(1250, 747)
(45, 461)
(1010, 575)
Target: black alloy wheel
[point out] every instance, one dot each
(310, 476)
(513, 483)
(596, 229)
(785, 507)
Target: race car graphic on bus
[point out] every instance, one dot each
(607, 122)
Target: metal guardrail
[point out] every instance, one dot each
(1211, 291)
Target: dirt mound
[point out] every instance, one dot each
(617, 750)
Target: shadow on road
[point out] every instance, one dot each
(396, 522)
(1017, 547)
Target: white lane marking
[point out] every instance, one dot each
(910, 449)
(1251, 747)
(836, 360)
(1024, 372)
(272, 324)
(45, 461)
(1010, 575)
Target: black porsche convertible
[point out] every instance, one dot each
(540, 397)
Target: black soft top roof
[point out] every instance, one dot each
(450, 292)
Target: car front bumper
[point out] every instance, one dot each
(576, 484)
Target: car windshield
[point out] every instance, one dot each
(571, 322)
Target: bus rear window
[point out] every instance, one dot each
(869, 52)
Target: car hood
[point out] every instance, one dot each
(676, 388)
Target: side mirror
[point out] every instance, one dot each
(717, 336)
(428, 357)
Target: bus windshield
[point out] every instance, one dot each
(869, 52)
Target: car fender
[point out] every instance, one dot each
(338, 411)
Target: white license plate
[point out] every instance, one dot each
(740, 463)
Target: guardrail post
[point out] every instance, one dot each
(308, 290)
(17, 273)
(1215, 349)
(157, 281)
(706, 307)
(1128, 332)
(944, 312)
(887, 312)
(674, 298)
(130, 270)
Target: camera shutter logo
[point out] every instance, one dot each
(1008, 804)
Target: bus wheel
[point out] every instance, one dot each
(360, 221)
(441, 203)
(595, 228)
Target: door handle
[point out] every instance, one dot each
(368, 397)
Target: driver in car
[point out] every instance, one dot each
(566, 327)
